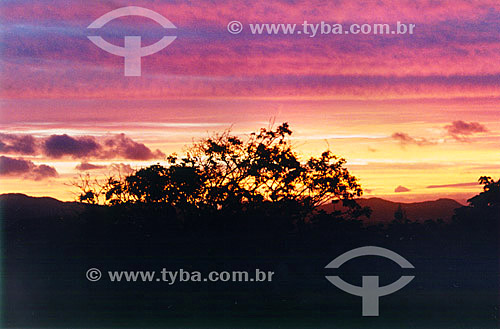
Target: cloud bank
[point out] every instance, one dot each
(83, 147)
(25, 168)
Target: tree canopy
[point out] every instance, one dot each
(226, 172)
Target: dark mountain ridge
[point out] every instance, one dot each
(16, 206)
(383, 210)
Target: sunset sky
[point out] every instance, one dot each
(416, 116)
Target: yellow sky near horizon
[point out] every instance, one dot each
(374, 156)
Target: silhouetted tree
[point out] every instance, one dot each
(483, 212)
(400, 215)
(490, 197)
(227, 174)
(90, 189)
(264, 168)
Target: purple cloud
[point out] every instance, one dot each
(17, 144)
(129, 149)
(57, 146)
(26, 168)
(84, 147)
(43, 171)
(88, 166)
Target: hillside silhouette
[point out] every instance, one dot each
(383, 210)
(19, 207)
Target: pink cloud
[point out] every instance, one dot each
(401, 189)
(460, 130)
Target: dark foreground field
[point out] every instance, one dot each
(45, 260)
